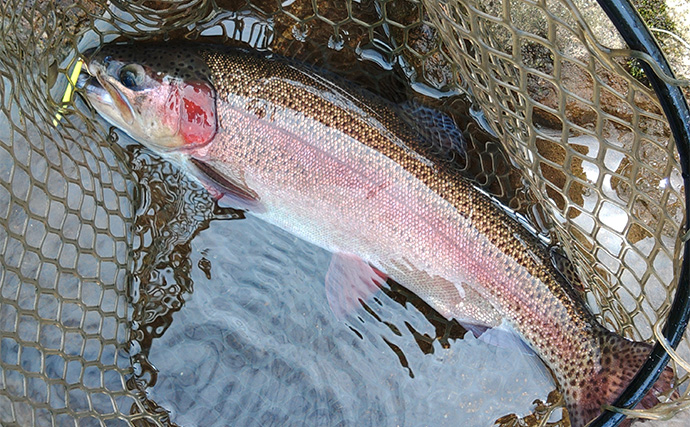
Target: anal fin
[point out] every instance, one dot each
(502, 336)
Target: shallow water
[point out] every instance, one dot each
(257, 343)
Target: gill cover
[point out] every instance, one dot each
(161, 97)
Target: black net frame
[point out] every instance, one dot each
(638, 37)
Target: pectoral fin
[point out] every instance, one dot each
(228, 190)
(350, 280)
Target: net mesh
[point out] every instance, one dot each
(65, 215)
(588, 139)
(592, 140)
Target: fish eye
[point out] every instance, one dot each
(132, 76)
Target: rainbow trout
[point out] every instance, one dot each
(338, 167)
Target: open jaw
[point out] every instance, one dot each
(99, 91)
(91, 86)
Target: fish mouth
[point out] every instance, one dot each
(92, 87)
(102, 94)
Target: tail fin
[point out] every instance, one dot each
(620, 359)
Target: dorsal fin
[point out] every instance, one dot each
(435, 128)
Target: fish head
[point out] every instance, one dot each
(160, 95)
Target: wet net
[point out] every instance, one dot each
(558, 129)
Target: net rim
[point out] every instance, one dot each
(638, 37)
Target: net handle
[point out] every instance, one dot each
(638, 37)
